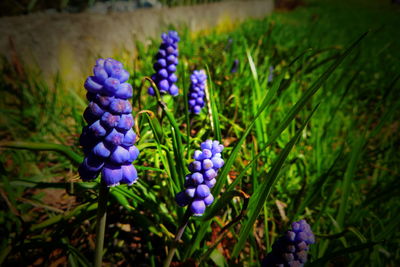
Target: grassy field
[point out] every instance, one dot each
(319, 141)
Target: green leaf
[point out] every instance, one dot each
(218, 258)
(214, 110)
(66, 151)
(346, 251)
(122, 200)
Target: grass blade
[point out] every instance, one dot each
(66, 151)
(261, 194)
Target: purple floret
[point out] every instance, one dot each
(196, 91)
(165, 64)
(291, 249)
(108, 140)
(198, 183)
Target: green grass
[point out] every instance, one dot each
(321, 139)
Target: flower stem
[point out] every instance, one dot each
(178, 236)
(101, 224)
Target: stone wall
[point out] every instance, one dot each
(41, 39)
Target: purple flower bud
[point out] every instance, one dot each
(92, 113)
(163, 85)
(124, 91)
(100, 74)
(129, 138)
(109, 121)
(171, 68)
(134, 153)
(120, 156)
(217, 162)
(193, 96)
(173, 90)
(197, 178)
(202, 191)
(210, 183)
(200, 102)
(104, 101)
(129, 174)
(196, 109)
(120, 74)
(111, 86)
(198, 207)
(114, 138)
(101, 150)
(111, 174)
(207, 154)
(111, 64)
(100, 62)
(192, 102)
(207, 164)
(171, 59)
(151, 91)
(210, 174)
(291, 236)
(190, 192)
(92, 86)
(97, 130)
(92, 164)
(217, 147)
(120, 106)
(197, 155)
(172, 78)
(162, 73)
(162, 62)
(195, 166)
(161, 53)
(208, 200)
(125, 123)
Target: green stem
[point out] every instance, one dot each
(101, 224)
(178, 237)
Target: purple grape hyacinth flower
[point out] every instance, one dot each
(235, 66)
(108, 140)
(291, 249)
(197, 91)
(166, 61)
(271, 73)
(198, 184)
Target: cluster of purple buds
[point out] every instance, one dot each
(204, 170)
(235, 66)
(165, 65)
(271, 73)
(291, 249)
(108, 140)
(196, 91)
